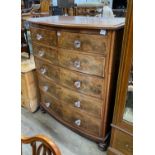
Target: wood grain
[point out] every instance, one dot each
(123, 142)
(81, 66)
(90, 105)
(84, 63)
(122, 138)
(87, 122)
(89, 85)
(43, 36)
(80, 22)
(88, 43)
(46, 53)
(29, 91)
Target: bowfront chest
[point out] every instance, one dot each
(77, 61)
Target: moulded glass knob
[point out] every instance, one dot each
(77, 64)
(41, 53)
(45, 88)
(43, 70)
(39, 37)
(77, 104)
(77, 84)
(77, 44)
(47, 104)
(78, 122)
(58, 34)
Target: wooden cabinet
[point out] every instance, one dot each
(122, 126)
(77, 62)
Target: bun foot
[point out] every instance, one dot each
(103, 146)
(42, 110)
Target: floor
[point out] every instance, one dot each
(68, 141)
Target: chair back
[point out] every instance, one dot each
(45, 5)
(41, 145)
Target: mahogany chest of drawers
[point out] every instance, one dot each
(77, 60)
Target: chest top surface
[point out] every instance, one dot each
(80, 22)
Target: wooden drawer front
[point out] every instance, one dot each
(83, 42)
(83, 83)
(82, 62)
(123, 142)
(72, 116)
(47, 70)
(79, 101)
(43, 36)
(48, 54)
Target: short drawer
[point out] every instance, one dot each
(48, 54)
(43, 36)
(83, 42)
(71, 116)
(50, 71)
(85, 63)
(76, 100)
(123, 142)
(86, 84)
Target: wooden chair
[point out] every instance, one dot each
(41, 145)
(43, 10)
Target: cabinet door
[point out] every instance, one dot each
(124, 97)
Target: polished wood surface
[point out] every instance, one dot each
(84, 63)
(81, 22)
(77, 71)
(77, 100)
(84, 42)
(46, 145)
(122, 142)
(89, 85)
(43, 36)
(79, 119)
(45, 53)
(122, 131)
(29, 91)
(74, 60)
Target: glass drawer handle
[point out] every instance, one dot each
(45, 88)
(47, 104)
(43, 70)
(126, 145)
(78, 122)
(58, 34)
(77, 84)
(77, 44)
(41, 53)
(77, 64)
(77, 104)
(39, 36)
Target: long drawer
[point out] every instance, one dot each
(85, 63)
(86, 84)
(71, 116)
(84, 42)
(76, 100)
(43, 36)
